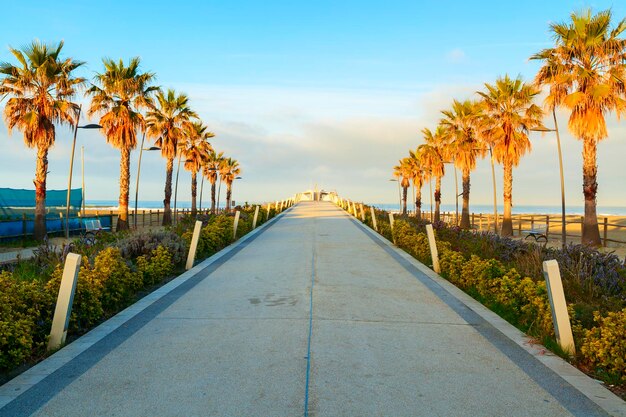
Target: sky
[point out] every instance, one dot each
(326, 93)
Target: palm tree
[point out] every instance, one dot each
(418, 176)
(195, 150)
(211, 170)
(586, 71)
(432, 156)
(118, 96)
(167, 122)
(403, 173)
(40, 88)
(461, 135)
(228, 173)
(509, 115)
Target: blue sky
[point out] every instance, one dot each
(324, 92)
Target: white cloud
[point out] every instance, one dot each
(456, 56)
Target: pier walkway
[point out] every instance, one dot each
(312, 314)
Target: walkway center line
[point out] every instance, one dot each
(308, 349)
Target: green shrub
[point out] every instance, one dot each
(604, 347)
(24, 312)
(156, 266)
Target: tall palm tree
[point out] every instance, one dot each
(195, 150)
(211, 170)
(118, 96)
(509, 115)
(432, 155)
(403, 173)
(167, 122)
(586, 73)
(460, 126)
(228, 173)
(40, 89)
(418, 176)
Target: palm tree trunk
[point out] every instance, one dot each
(194, 191)
(41, 174)
(122, 214)
(404, 198)
(507, 222)
(465, 216)
(418, 203)
(167, 211)
(437, 199)
(212, 197)
(228, 194)
(591, 232)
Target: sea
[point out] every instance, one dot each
(474, 208)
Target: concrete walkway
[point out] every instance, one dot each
(313, 315)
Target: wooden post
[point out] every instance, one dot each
(256, 216)
(24, 229)
(433, 248)
(194, 245)
(143, 218)
(235, 224)
(480, 221)
(373, 213)
(582, 226)
(391, 224)
(362, 213)
(548, 227)
(560, 316)
(532, 222)
(63, 309)
(519, 226)
(474, 220)
(606, 220)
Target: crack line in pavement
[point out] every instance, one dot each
(308, 349)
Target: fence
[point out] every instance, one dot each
(22, 228)
(609, 232)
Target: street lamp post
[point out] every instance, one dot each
(495, 200)
(69, 180)
(558, 145)
(231, 188)
(399, 192)
(141, 149)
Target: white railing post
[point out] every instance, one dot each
(560, 316)
(63, 309)
(235, 224)
(256, 216)
(374, 223)
(362, 213)
(191, 256)
(433, 248)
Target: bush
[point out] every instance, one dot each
(156, 266)
(604, 347)
(144, 243)
(24, 312)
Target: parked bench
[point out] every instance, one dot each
(92, 229)
(538, 233)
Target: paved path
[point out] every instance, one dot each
(313, 316)
(13, 256)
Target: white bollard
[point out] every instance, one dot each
(191, 256)
(560, 316)
(256, 216)
(63, 309)
(433, 248)
(235, 224)
(374, 218)
(391, 221)
(362, 213)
